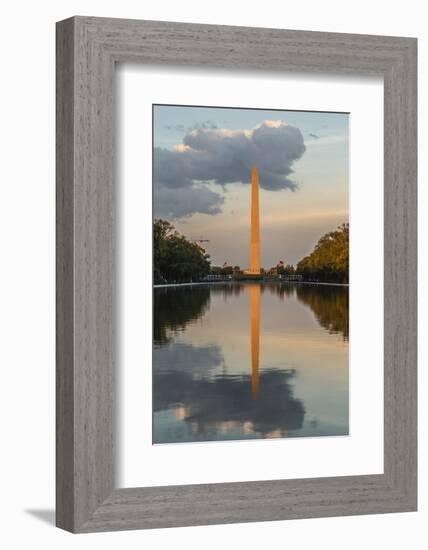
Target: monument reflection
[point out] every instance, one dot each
(254, 291)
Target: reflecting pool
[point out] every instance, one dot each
(251, 360)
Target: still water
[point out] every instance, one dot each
(245, 361)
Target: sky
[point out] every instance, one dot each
(202, 162)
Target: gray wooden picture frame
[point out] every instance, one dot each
(87, 50)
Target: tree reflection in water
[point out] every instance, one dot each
(330, 306)
(175, 307)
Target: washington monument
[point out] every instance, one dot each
(255, 224)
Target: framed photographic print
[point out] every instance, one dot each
(203, 386)
(236, 274)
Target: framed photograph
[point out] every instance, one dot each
(236, 274)
(238, 351)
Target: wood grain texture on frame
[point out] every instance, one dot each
(87, 50)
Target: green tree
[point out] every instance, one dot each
(329, 260)
(176, 259)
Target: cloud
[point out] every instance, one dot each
(182, 202)
(223, 156)
(210, 403)
(176, 127)
(207, 125)
(327, 140)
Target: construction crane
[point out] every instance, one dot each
(200, 240)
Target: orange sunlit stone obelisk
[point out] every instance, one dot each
(255, 223)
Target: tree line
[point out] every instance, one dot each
(329, 261)
(176, 259)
